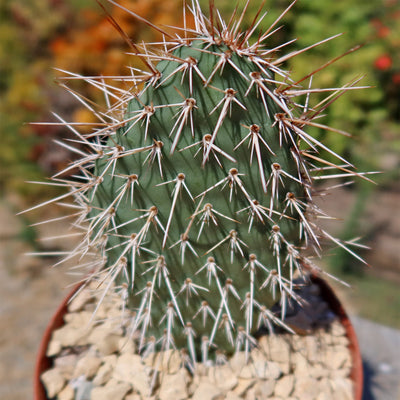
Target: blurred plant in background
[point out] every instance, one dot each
(76, 36)
(40, 35)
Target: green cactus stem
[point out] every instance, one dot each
(197, 189)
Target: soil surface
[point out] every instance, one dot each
(30, 290)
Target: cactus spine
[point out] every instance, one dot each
(197, 190)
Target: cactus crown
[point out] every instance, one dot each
(196, 189)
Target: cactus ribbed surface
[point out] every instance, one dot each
(197, 190)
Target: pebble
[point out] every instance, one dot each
(223, 377)
(301, 366)
(53, 381)
(251, 394)
(126, 345)
(284, 386)
(70, 336)
(133, 396)
(87, 366)
(129, 368)
(277, 348)
(174, 386)
(66, 365)
(243, 385)
(232, 396)
(342, 388)
(108, 344)
(68, 393)
(306, 388)
(167, 361)
(264, 388)
(54, 348)
(79, 301)
(206, 391)
(114, 391)
(79, 320)
(104, 373)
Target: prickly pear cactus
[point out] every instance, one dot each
(196, 189)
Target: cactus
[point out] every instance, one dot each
(196, 186)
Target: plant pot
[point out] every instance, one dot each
(357, 374)
(43, 362)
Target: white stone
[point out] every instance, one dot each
(243, 385)
(100, 332)
(129, 368)
(255, 367)
(206, 391)
(167, 361)
(53, 348)
(342, 388)
(324, 396)
(109, 344)
(301, 366)
(337, 329)
(251, 394)
(306, 388)
(80, 319)
(238, 362)
(69, 336)
(272, 370)
(115, 391)
(174, 386)
(264, 388)
(337, 356)
(111, 359)
(318, 371)
(126, 366)
(67, 393)
(126, 345)
(104, 373)
(247, 372)
(284, 386)
(134, 396)
(53, 381)
(312, 348)
(285, 367)
(87, 366)
(341, 373)
(223, 377)
(276, 347)
(325, 390)
(340, 340)
(79, 301)
(66, 365)
(232, 396)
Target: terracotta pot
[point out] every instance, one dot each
(357, 374)
(43, 362)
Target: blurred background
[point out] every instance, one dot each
(38, 36)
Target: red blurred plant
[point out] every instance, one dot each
(383, 62)
(387, 63)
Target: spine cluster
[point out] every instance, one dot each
(196, 187)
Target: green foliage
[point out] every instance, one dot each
(24, 30)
